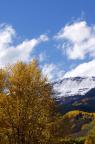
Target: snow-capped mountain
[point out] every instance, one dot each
(74, 86)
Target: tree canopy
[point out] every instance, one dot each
(26, 105)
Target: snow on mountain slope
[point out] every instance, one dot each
(77, 81)
(86, 69)
(74, 86)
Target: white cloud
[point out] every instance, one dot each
(52, 71)
(42, 57)
(78, 40)
(10, 53)
(82, 70)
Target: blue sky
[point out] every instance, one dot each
(60, 33)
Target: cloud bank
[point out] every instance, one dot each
(11, 53)
(82, 70)
(78, 40)
(53, 72)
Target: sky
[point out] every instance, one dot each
(59, 33)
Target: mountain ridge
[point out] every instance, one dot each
(73, 86)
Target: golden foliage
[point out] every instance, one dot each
(26, 105)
